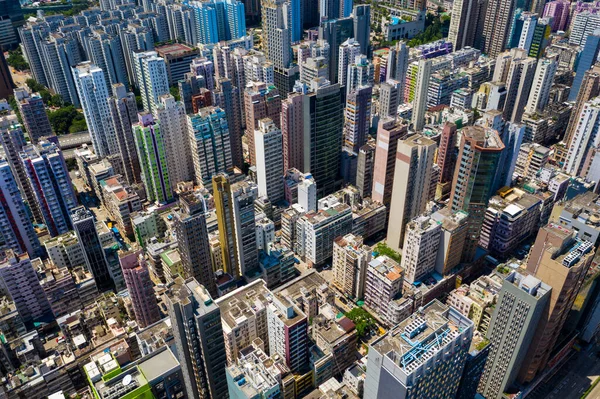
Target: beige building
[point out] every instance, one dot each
(350, 261)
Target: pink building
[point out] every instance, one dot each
(389, 131)
(558, 10)
(141, 288)
(292, 128)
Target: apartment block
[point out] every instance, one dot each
(350, 260)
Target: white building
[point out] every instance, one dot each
(268, 143)
(307, 193)
(421, 244)
(542, 82)
(348, 52)
(350, 261)
(92, 90)
(153, 80)
(173, 126)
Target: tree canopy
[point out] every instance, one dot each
(67, 120)
(363, 321)
(16, 60)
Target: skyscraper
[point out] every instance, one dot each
(260, 101)
(228, 98)
(140, 287)
(357, 119)
(12, 140)
(446, 158)
(498, 18)
(152, 78)
(19, 278)
(268, 141)
(60, 53)
(518, 83)
(466, 24)
(540, 89)
(397, 65)
(292, 129)
(442, 333)
(174, 130)
(583, 139)
(16, 228)
(123, 113)
(561, 260)
(92, 90)
(347, 53)
(521, 303)
(420, 102)
(135, 38)
(480, 151)
(588, 57)
(412, 178)
(210, 145)
(95, 259)
(106, 52)
(33, 112)
(364, 169)
(349, 264)
(361, 15)
(277, 32)
(196, 321)
(361, 72)
(389, 98)
(335, 32)
(151, 153)
(49, 177)
(192, 236)
(389, 131)
(323, 134)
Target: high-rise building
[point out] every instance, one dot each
(444, 336)
(152, 78)
(196, 321)
(558, 10)
(480, 151)
(397, 65)
(587, 59)
(323, 134)
(12, 140)
(16, 228)
(135, 38)
(364, 169)
(357, 117)
(522, 301)
(361, 72)
(496, 26)
(421, 243)
(123, 112)
(174, 130)
(277, 32)
(540, 88)
(228, 97)
(92, 90)
(582, 26)
(589, 88)
(60, 53)
(210, 144)
(260, 101)
(106, 52)
(389, 131)
(140, 287)
(466, 26)
(350, 260)
(561, 260)
(292, 129)
(314, 68)
(361, 15)
(219, 21)
(452, 239)
(268, 141)
(446, 159)
(519, 81)
(347, 53)
(49, 178)
(420, 102)
(95, 259)
(33, 112)
(234, 204)
(583, 139)
(21, 282)
(192, 236)
(335, 32)
(151, 153)
(412, 179)
(389, 98)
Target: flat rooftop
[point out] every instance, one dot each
(159, 364)
(173, 50)
(243, 303)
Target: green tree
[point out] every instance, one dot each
(363, 321)
(383, 249)
(67, 120)
(174, 90)
(16, 60)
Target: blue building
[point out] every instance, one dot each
(586, 59)
(296, 17)
(219, 20)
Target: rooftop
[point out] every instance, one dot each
(426, 332)
(174, 50)
(243, 303)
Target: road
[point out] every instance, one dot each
(573, 378)
(74, 140)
